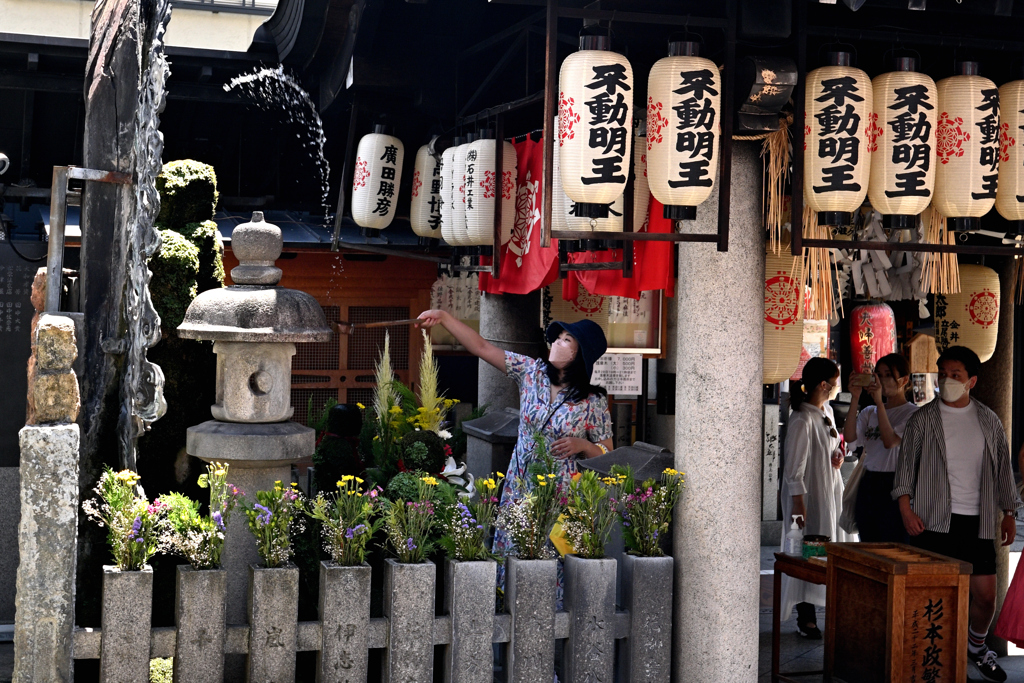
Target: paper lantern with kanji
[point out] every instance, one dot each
(837, 164)
(684, 111)
(425, 209)
(970, 318)
(459, 234)
(967, 147)
(595, 103)
(783, 317)
(901, 140)
(641, 186)
(564, 215)
(375, 181)
(480, 191)
(872, 335)
(448, 192)
(1010, 193)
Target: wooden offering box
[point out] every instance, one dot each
(895, 614)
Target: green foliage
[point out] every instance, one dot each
(409, 523)
(404, 486)
(347, 519)
(173, 286)
(589, 514)
(645, 508)
(188, 193)
(161, 670)
(211, 254)
(423, 450)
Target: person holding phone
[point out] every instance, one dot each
(812, 488)
(879, 430)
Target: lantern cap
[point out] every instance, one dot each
(683, 48)
(677, 212)
(485, 134)
(899, 221)
(588, 42)
(379, 128)
(905, 64)
(835, 219)
(588, 210)
(963, 224)
(458, 140)
(968, 68)
(470, 137)
(839, 58)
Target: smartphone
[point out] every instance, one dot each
(861, 379)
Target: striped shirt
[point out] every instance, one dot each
(921, 471)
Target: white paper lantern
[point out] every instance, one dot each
(837, 164)
(967, 146)
(480, 191)
(447, 191)
(425, 209)
(595, 113)
(1010, 194)
(970, 317)
(901, 140)
(783, 318)
(375, 181)
(641, 187)
(459, 233)
(684, 98)
(563, 210)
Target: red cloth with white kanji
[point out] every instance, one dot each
(525, 266)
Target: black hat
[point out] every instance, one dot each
(587, 334)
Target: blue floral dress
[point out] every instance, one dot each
(588, 419)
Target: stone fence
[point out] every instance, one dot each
(467, 625)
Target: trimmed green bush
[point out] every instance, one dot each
(404, 486)
(429, 457)
(211, 254)
(188, 193)
(173, 286)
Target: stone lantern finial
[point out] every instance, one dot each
(256, 245)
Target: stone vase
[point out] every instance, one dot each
(468, 597)
(530, 599)
(199, 614)
(273, 607)
(127, 612)
(345, 619)
(590, 601)
(647, 595)
(409, 607)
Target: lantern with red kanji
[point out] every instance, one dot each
(482, 188)
(1010, 193)
(872, 336)
(425, 209)
(971, 317)
(448, 191)
(375, 181)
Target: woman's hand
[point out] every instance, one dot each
(855, 391)
(838, 458)
(911, 522)
(431, 318)
(875, 390)
(569, 446)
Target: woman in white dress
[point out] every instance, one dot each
(812, 487)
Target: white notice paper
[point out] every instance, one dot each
(619, 373)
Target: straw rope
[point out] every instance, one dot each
(775, 158)
(819, 271)
(940, 273)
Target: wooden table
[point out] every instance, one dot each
(798, 568)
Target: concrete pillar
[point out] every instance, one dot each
(718, 437)
(995, 389)
(511, 321)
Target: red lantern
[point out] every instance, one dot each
(872, 335)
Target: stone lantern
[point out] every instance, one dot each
(254, 326)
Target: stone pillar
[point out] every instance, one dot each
(718, 437)
(511, 321)
(995, 389)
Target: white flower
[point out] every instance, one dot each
(444, 434)
(454, 474)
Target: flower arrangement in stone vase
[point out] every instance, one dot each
(200, 538)
(468, 524)
(528, 521)
(135, 527)
(347, 519)
(409, 523)
(272, 519)
(588, 515)
(645, 508)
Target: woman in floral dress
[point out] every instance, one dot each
(556, 398)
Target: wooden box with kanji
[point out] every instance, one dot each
(896, 614)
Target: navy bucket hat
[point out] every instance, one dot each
(587, 334)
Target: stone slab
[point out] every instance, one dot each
(55, 348)
(530, 598)
(125, 624)
(590, 600)
(250, 445)
(273, 623)
(10, 513)
(199, 613)
(647, 596)
(470, 590)
(345, 619)
(253, 382)
(409, 607)
(47, 541)
(55, 397)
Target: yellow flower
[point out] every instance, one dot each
(358, 480)
(294, 484)
(395, 410)
(340, 484)
(551, 476)
(351, 493)
(360, 406)
(220, 473)
(542, 483)
(421, 409)
(500, 475)
(429, 481)
(669, 471)
(347, 477)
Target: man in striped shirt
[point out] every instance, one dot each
(954, 484)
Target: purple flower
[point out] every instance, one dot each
(350, 533)
(265, 517)
(410, 545)
(218, 520)
(136, 525)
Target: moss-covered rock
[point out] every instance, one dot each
(188, 193)
(211, 254)
(173, 286)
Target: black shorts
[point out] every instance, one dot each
(962, 543)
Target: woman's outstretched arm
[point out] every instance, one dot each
(465, 335)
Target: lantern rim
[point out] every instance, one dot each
(840, 58)
(679, 212)
(836, 219)
(968, 68)
(683, 48)
(899, 221)
(591, 42)
(963, 224)
(905, 64)
(590, 210)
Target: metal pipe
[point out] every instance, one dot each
(550, 89)
(499, 169)
(55, 248)
(635, 236)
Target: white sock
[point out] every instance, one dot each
(976, 641)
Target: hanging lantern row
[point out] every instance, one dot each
(906, 142)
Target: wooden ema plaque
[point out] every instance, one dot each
(896, 614)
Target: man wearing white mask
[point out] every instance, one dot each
(954, 485)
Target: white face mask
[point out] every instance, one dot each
(833, 393)
(561, 354)
(951, 390)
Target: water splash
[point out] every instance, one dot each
(271, 89)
